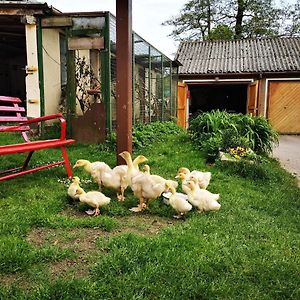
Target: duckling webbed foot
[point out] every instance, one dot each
(179, 216)
(97, 212)
(139, 208)
(90, 212)
(120, 197)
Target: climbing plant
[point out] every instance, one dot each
(86, 81)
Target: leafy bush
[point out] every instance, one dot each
(145, 134)
(223, 130)
(245, 169)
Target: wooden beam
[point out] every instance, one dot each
(124, 77)
(85, 43)
(57, 22)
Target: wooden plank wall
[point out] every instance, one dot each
(181, 108)
(284, 106)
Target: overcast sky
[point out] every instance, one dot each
(147, 16)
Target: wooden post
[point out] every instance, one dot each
(124, 76)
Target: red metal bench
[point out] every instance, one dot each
(13, 121)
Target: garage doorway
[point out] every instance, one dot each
(205, 97)
(12, 57)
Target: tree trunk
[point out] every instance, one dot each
(208, 18)
(239, 19)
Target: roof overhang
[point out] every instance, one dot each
(217, 80)
(26, 8)
(239, 75)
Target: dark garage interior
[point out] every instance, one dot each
(12, 57)
(207, 97)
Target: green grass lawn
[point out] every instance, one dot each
(50, 249)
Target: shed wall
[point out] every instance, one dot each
(51, 61)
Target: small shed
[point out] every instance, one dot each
(257, 76)
(66, 62)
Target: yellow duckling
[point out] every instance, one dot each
(183, 178)
(159, 179)
(181, 205)
(91, 167)
(113, 179)
(132, 166)
(203, 178)
(202, 199)
(146, 169)
(146, 187)
(73, 188)
(94, 199)
(116, 178)
(142, 185)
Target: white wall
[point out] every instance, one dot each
(51, 61)
(32, 78)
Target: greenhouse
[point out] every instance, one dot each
(154, 80)
(70, 67)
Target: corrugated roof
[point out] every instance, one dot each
(239, 56)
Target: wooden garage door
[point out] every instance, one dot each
(182, 104)
(284, 106)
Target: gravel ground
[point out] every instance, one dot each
(288, 153)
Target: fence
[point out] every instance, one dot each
(154, 81)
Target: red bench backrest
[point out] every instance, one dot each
(11, 114)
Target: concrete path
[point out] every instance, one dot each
(288, 153)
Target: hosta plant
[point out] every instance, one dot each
(219, 130)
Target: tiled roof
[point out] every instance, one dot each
(240, 56)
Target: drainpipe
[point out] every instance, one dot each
(106, 74)
(162, 89)
(71, 86)
(41, 66)
(149, 84)
(133, 82)
(171, 91)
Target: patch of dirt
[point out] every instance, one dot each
(67, 268)
(18, 279)
(71, 212)
(77, 239)
(82, 241)
(143, 224)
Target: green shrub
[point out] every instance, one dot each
(245, 169)
(210, 147)
(226, 130)
(145, 134)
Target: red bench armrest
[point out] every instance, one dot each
(50, 117)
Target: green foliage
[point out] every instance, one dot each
(243, 168)
(147, 134)
(144, 135)
(234, 19)
(219, 130)
(221, 32)
(211, 146)
(16, 254)
(246, 250)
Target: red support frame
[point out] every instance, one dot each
(29, 146)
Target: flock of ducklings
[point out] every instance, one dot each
(145, 186)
